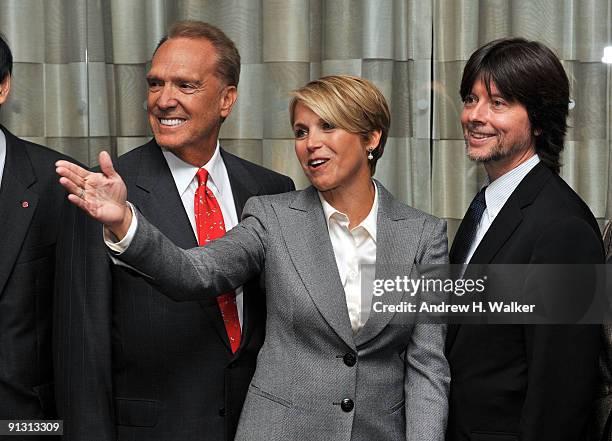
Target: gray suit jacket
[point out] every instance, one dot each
(399, 383)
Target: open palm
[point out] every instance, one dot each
(101, 195)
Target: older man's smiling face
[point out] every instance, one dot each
(187, 100)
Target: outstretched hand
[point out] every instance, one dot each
(101, 195)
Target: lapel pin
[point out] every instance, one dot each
(25, 204)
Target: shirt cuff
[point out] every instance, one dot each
(111, 240)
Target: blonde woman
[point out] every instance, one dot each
(326, 371)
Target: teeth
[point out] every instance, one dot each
(317, 162)
(171, 122)
(480, 135)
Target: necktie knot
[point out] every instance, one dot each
(202, 176)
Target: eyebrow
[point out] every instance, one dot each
(175, 79)
(319, 121)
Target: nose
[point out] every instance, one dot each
(314, 140)
(477, 113)
(166, 98)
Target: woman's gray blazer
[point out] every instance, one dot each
(315, 380)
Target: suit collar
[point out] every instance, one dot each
(503, 226)
(395, 255)
(243, 182)
(17, 159)
(156, 196)
(2, 153)
(18, 201)
(303, 224)
(498, 191)
(510, 216)
(184, 173)
(368, 224)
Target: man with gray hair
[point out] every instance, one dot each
(137, 366)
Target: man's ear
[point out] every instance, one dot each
(229, 95)
(5, 87)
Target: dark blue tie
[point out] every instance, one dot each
(467, 230)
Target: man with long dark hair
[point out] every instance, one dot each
(527, 382)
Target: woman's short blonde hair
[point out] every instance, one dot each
(350, 103)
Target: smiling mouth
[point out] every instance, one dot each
(171, 122)
(314, 163)
(480, 135)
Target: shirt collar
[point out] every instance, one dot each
(498, 191)
(2, 153)
(369, 223)
(184, 173)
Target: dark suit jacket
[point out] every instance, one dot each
(30, 207)
(528, 382)
(136, 365)
(602, 417)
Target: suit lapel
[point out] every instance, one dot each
(304, 228)
(18, 203)
(510, 216)
(499, 232)
(504, 225)
(154, 193)
(397, 240)
(243, 183)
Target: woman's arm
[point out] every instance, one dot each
(204, 272)
(195, 274)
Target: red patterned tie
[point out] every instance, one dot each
(210, 226)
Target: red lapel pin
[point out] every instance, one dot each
(25, 204)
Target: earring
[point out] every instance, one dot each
(370, 155)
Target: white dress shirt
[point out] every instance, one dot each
(496, 195)
(2, 154)
(352, 249)
(186, 181)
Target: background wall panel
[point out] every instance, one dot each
(80, 65)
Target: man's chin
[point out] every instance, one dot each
(167, 144)
(477, 155)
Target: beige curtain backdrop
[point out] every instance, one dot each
(577, 30)
(80, 66)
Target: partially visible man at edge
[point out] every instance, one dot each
(527, 382)
(30, 218)
(138, 366)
